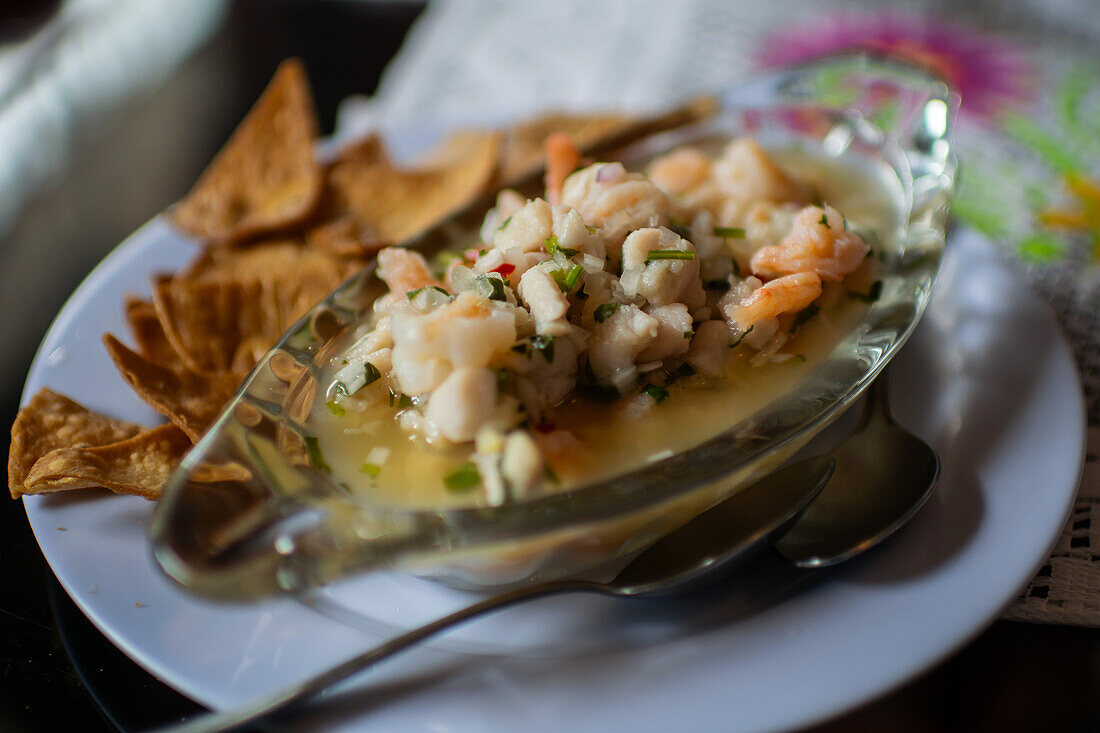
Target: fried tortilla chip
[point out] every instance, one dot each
(148, 334)
(243, 300)
(393, 204)
(593, 134)
(283, 260)
(189, 399)
(265, 178)
(138, 465)
(51, 421)
(206, 321)
(341, 237)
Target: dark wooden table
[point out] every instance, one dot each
(58, 673)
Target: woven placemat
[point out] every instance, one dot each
(1028, 134)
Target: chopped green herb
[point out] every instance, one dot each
(371, 469)
(803, 316)
(413, 293)
(799, 359)
(659, 394)
(669, 254)
(314, 452)
(445, 258)
(404, 400)
(373, 375)
(605, 311)
(393, 397)
(340, 388)
(481, 253)
(741, 338)
(682, 371)
(823, 221)
(688, 335)
(572, 276)
(591, 230)
(335, 408)
(566, 280)
(506, 223)
(545, 346)
(497, 285)
(729, 232)
(463, 478)
(343, 362)
(736, 266)
(489, 287)
(871, 295)
(552, 246)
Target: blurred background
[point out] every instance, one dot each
(109, 110)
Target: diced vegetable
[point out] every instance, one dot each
(741, 338)
(669, 254)
(567, 280)
(871, 295)
(605, 311)
(552, 247)
(463, 478)
(313, 452)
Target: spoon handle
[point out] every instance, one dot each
(878, 398)
(231, 719)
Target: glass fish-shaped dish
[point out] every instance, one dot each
(255, 510)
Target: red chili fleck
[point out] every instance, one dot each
(545, 427)
(505, 269)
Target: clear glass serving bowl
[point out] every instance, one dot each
(247, 514)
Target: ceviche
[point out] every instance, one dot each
(621, 317)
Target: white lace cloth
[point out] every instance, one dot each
(469, 61)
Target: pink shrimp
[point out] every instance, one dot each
(817, 242)
(680, 171)
(404, 270)
(562, 158)
(787, 294)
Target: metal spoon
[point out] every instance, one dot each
(705, 543)
(883, 476)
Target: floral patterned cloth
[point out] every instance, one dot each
(1028, 135)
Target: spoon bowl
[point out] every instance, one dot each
(884, 474)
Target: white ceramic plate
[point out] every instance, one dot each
(987, 379)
